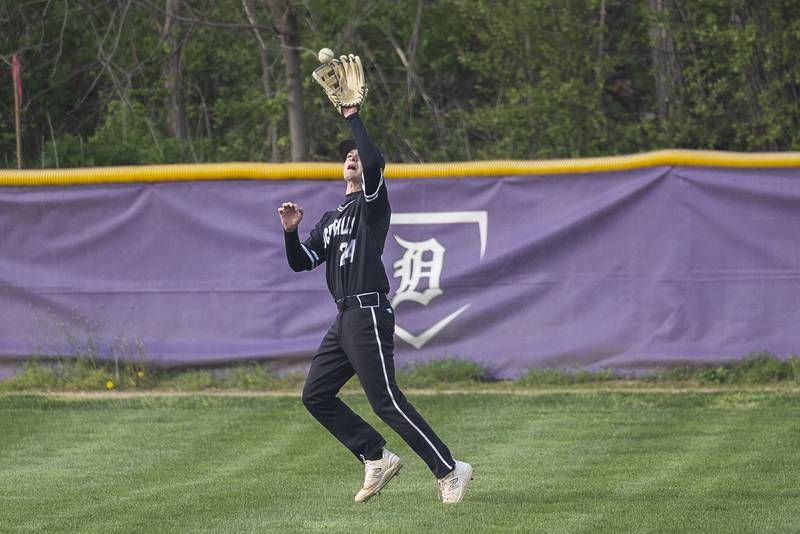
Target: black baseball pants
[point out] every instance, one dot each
(361, 341)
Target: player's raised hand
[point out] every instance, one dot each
(291, 215)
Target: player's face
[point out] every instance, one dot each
(352, 166)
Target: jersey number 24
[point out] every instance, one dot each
(347, 249)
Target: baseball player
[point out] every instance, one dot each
(349, 240)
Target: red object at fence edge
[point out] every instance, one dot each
(17, 73)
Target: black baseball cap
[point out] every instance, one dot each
(345, 147)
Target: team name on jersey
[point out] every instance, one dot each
(343, 226)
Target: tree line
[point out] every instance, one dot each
(109, 82)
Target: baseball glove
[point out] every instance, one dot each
(343, 80)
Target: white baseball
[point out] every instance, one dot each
(325, 55)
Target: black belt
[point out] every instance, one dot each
(363, 300)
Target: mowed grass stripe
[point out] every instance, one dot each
(597, 461)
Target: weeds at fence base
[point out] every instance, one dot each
(89, 374)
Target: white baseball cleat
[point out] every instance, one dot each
(453, 485)
(378, 473)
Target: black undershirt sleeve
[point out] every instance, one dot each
(372, 162)
(298, 259)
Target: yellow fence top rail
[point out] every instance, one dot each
(327, 171)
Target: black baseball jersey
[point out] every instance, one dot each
(350, 239)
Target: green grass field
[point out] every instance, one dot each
(582, 460)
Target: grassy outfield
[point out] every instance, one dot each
(566, 461)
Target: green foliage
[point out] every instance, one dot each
(190, 380)
(253, 376)
(250, 376)
(32, 377)
(239, 376)
(739, 83)
(444, 372)
(449, 80)
(85, 373)
(81, 374)
(126, 137)
(564, 377)
(754, 369)
(758, 368)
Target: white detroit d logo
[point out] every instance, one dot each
(413, 267)
(424, 261)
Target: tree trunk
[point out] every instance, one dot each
(665, 65)
(177, 125)
(285, 21)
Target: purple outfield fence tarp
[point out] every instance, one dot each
(623, 269)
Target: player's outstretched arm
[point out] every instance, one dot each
(372, 162)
